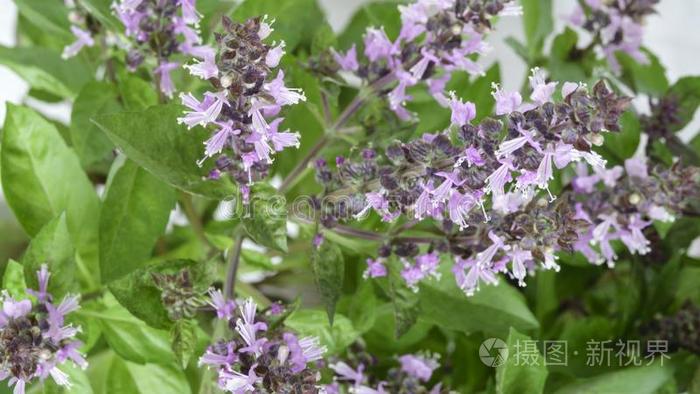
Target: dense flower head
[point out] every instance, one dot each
(261, 358)
(248, 95)
(437, 38)
(35, 339)
(482, 187)
(449, 179)
(161, 29)
(411, 375)
(617, 24)
(619, 203)
(679, 329)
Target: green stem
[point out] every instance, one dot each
(352, 108)
(229, 286)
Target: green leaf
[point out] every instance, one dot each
(44, 69)
(309, 322)
(537, 24)
(13, 279)
(51, 246)
(42, 178)
(184, 340)
(102, 10)
(295, 20)
(518, 47)
(129, 337)
(89, 142)
(382, 336)
(136, 94)
(687, 93)
(127, 377)
(328, 266)
(566, 62)
(492, 309)
(134, 215)
(49, 16)
(360, 307)
(155, 141)
(266, 222)
(515, 376)
(644, 78)
(140, 295)
(405, 301)
(622, 145)
(638, 380)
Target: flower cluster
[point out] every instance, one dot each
(161, 28)
(83, 27)
(34, 339)
(680, 330)
(412, 376)
(616, 24)
(178, 294)
(276, 362)
(451, 179)
(437, 38)
(247, 98)
(618, 204)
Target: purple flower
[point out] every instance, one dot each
(43, 278)
(398, 96)
(633, 237)
(498, 179)
(506, 102)
(12, 309)
(281, 140)
(37, 330)
(469, 282)
(459, 207)
(519, 259)
(203, 112)
(347, 373)
(237, 383)
(205, 69)
(165, 81)
(189, 11)
(348, 61)
(636, 167)
(303, 351)
(508, 147)
(247, 329)
(274, 55)
(375, 269)
(419, 367)
(224, 308)
(462, 113)
(218, 141)
(425, 265)
(377, 45)
(541, 90)
(83, 39)
(211, 358)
